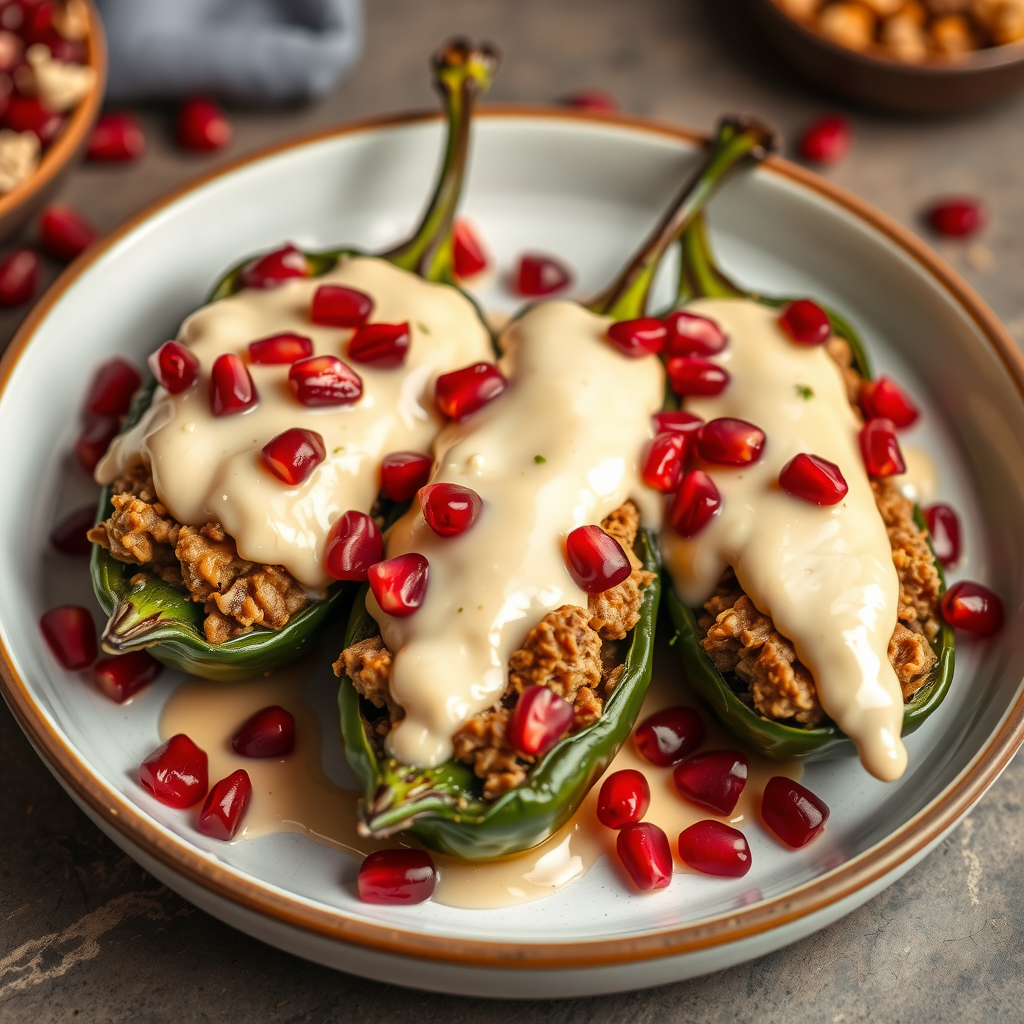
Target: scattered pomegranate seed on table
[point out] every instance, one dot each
(676, 421)
(695, 504)
(94, 440)
(176, 772)
(730, 442)
(400, 584)
(956, 216)
(28, 114)
(595, 560)
(712, 779)
(64, 233)
(280, 349)
(667, 736)
(225, 806)
(116, 137)
(113, 385)
(231, 387)
(382, 345)
(624, 798)
(174, 366)
(275, 267)
(397, 876)
(462, 392)
(402, 474)
(805, 322)
(664, 457)
(324, 380)
(354, 543)
(124, 676)
(294, 454)
(813, 479)
(269, 732)
(827, 140)
(19, 276)
(880, 449)
(644, 336)
(714, 848)
(692, 375)
(539, 720)
(202, 126)
(944, 526)
(468, 254)
(973, 607)
(594, 100)
(334, 305)
(538, 275)
(693, 335)
(449, 509)
(884, 398)
(69, 534)
(70, 634)
(645, 853)
(792, 811)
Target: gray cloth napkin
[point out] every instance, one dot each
(249, 50)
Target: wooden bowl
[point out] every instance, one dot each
(935, 85)
(18, 205)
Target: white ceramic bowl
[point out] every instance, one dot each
(588, 189)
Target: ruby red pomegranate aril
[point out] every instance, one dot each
(676, 421)
(646, 855)
(695, 504)
(663, 462)
(69, 534)
(176, 773)
(174, 366)
(624, 798)
(972, 607)
(382, 345)
(277, 266)
(696, 377)
(944, 527)
(397, 876)
(539, 275)
(294, 454)
(324, 380)
(95, 438)
(462, 392)
(714, 848)
(122, 677)
(645, 336)
(113, 385)
(19, 276)
(813, 479)
(712, 779)
(594, 100)
(792, 811)
(957, 216)
(805, 322)
(402, 474)
(692, 335)
(202, 126)
(449, 509)
(70, 634)
(400, 584)
(467, 253)
(225, 806)
(334, 305)
(669, 735)
(280, 349)
(269, 732)
(827, 140)
(539, 720)
(231, 386)
(883, 397)
(354, 543)
(595, 559)
(64, 233)
(880, 449)
(730, 442)
(116, 138)
(29, 114)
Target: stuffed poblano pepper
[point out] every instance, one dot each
(238, 499)
(800, 579)
(503, 649)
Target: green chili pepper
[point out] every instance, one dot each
(443, 806)
(147, 612)
(701, 278)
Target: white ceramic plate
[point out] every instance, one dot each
(587, 189)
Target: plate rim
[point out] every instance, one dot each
(231, 884)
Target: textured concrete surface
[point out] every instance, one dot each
(87, 935)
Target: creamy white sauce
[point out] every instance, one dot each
(584, 409)
(824, 575)
(208, 468)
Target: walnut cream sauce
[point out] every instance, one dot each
(824, 574)
(560, 448)
(208, 468)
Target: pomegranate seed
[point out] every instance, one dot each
(692, 335)
(813, 479)
(64, 233)
(176, 772)
(402, 474)
(669, 735)
(280, 349)
(112, 388)
(354, 543)
(28, 114)
(730, 442)
(461, 392)
(944, 527)
(381, 345)
(880, 449)
(117, 137)
(539, 720)
(624, 798)
(595, 560)
(792, 812)
(645, 336)
(805, 322)
(467, 252)
(270, 732)
(397, 876)
(595, 100)
(122, 677)
(231, 387)
(334, 305)
(715, 848)
(972, 607)
(827, 140)
(202, 126)
(694, 504)
(69, 535)
(691, 375)
(712, 779)
(663, 462)
(449, 509)
(399, 584)
(94, 440)
(676, 422)
(225, 806)
(70, 634)
(644, 851)
(294, 454)
(19, 276)
(540, 275)
(277, 266)
(884, 398)
(324, 380)
(174, 366)
(38, 23)
(957, 217)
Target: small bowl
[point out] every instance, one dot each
(933, 86)
(18, 205)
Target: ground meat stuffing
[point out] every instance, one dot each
(236, 594)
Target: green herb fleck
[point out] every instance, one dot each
(422, 327)
(460, 611)
(340, 448)
(672, 642)
(804, 391)
(539, 459)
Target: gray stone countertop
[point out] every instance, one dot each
(87, 935)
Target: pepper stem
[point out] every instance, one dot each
(737, 139)
(462, 74)
(699, 275)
